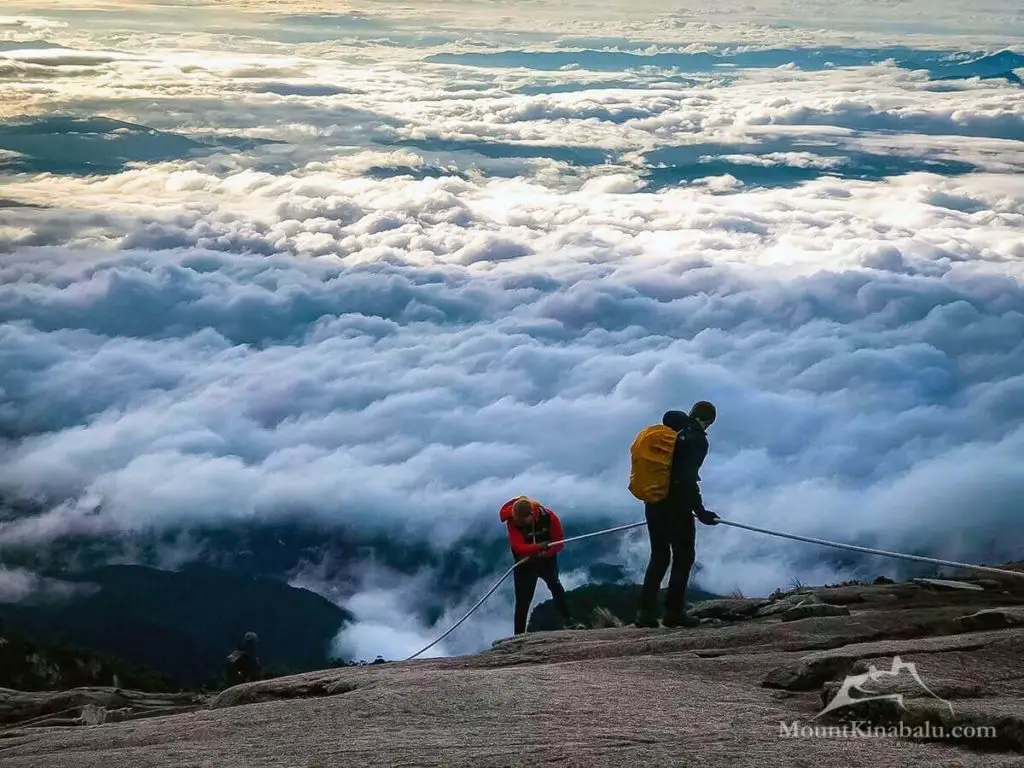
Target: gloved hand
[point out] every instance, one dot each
(706, 516)
(545, 546)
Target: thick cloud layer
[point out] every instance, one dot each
(386, 290)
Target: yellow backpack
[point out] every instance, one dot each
(651, 463)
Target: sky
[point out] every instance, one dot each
(386, 267)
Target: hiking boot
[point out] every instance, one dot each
(647, 620)
(682, 620)
(576, 625)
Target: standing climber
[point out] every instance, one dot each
(666, 460)
(531, 529)
(242, 664)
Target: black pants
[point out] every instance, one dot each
(673, 533)
(525, 577)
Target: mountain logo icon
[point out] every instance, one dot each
(857, 683)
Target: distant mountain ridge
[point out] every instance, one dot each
(182, 624)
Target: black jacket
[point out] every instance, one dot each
(691, 450)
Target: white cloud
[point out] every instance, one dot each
(24, 24)
(451, 285)
(645, 26)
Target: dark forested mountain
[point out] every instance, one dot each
(183, 623)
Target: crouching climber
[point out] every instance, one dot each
(532, 528)
(666, 460)
(242, 664)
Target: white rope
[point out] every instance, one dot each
(506, 574)
(722, 521)
(870, 551)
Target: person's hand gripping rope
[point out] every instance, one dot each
(706, 516)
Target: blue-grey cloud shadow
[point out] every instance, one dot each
(302, 89)
(94, 145)
(30, 45)
(580, 156)
(418, 174)
(940, 64)
(993, 67)
(669, 166)
(541, 89)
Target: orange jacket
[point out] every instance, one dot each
(545, 526)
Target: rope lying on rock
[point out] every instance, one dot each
(722, 521)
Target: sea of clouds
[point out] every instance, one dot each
(392, 270)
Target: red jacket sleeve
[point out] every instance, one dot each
(557, 534)
(519, 543)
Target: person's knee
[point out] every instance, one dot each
(554, 584)
(684, 557)
(661, 556)
(524, 596)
